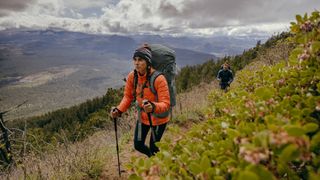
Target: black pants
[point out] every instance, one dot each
(224, 86)
(139, 143)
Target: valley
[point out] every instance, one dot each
(53, 69)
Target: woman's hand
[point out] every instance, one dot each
(148, 106)
(115, 112)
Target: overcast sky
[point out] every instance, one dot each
(175, 17)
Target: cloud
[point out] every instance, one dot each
(217, 13)
(70, 8)
(15, 5)
(7, 6)
(205, 17)
(86, 4)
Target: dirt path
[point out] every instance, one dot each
(126, 153)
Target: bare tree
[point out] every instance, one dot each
(6, 158)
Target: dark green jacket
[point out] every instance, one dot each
(225, 76)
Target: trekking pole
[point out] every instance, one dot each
(115, 129)
(150, 122)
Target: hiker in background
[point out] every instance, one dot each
(225, 76)
(137, 90)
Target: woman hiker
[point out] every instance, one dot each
(137, 89)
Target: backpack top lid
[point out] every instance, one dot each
(161, 56)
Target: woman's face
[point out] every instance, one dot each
(140, 65)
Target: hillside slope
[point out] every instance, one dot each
(265, 127)
(191, 110)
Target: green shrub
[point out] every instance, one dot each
(265, 127)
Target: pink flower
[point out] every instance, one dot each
(254, 156)
(306, 26)
(304, 56)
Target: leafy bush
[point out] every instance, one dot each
(265, 127)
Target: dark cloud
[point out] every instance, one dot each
(162, 16)
(7, 6)
(14, 5)
(217, 13)
(168, 9)
(114, 26)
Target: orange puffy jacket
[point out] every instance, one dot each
(161, 106)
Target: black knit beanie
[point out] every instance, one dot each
(144, 53)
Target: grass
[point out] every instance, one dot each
(191, 104)
(81, 160)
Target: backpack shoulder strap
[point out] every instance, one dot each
(152, 80)
(153, 90)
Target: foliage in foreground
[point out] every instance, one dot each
(266, 127)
